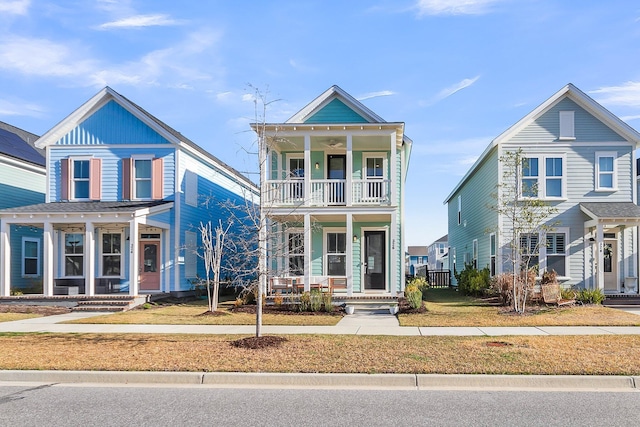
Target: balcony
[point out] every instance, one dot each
(328, 192)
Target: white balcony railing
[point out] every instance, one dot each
(328, 192)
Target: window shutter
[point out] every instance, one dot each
(156, 179)
(95, 179)
(127, 181)
(65, 179)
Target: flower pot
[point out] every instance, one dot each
(393, 309)
(349, 309)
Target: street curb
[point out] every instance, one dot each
(404, 381)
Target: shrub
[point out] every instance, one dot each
(422, 284)
(502, 285)
(327, 302)
(239, 302)
(472, 281)
(278, 300)
(305, 301)
(590, 296)
(316, 300)
(549, 278)
(413, 296)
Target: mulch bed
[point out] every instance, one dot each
(43, 310)
(216, 313)
(286, 310)
(405, 308)
(256, 343)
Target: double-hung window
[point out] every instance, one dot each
(556, 253)
(295, 253)
(111, 254)
(492, 254)
(605, 171)
(336, 254)
(74, 254)
(543, 177)
(529, 251)
(30, 256)
(142, 178)
(80, 185)
(475, 254)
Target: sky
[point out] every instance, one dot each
(456, 72)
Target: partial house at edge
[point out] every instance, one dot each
(418, 257)
(437, 252)
(22, 182)
(334, 198)
(583, 159)
(124, 195)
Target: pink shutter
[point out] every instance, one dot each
(127, 181)
(95, 179)
(156, 179)
(65, 179)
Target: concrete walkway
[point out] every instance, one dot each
(362, 322)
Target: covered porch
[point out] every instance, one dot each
(85, 248)
(611, 247)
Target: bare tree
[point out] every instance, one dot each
(213, 244)
(526, 218)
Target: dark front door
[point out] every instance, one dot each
(337, 170)
(374, 260)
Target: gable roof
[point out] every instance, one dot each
(331, 94)
(576, 95)
(173, 136)
(20, 144)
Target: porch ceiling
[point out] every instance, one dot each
(335, 217)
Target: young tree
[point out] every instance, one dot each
(212, 250)
(525, 217)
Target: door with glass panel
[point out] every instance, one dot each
(374, 179)
(149, 269)
(374, 260)
(337, 174)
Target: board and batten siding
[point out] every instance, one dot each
(111, 125)
(336, 111)
(478, 220)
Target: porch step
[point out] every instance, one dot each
(619, 300)
(106, 305)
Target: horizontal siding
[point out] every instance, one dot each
(16, 233)
(110, 125)
(336, 111)
(111, 168)
(20, 187)
(547, 127)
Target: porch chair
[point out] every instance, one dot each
(281, 285)
(551, 295)
(338, 283)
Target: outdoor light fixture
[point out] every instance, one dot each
(355, 238)
(317, 165)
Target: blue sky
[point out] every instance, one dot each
(457, 72)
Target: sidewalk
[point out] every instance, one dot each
(362, 322)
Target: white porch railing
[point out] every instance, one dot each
(328, 192)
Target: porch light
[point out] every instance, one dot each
(355, 238)
(317, 165)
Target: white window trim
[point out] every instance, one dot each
(101, 254)
(474, 252)
(286, 247)
(459, 209)
(325, 255)
(375, 155)
(64, 254)
(72, 190)
(23, 258)
(134, 193)
(567, 126)
(190, 188)
(542, 175)
(287, 171)
(542, 253)
(614, 155)
(493, 255)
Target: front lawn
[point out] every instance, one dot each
(446, 307)
(191, 313)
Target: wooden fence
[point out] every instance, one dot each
(436, 278)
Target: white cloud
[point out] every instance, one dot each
(140, 21)
(20, 108)
(375, 94)
(629, 118)
(627, 94)
(454, 7)
(450, 90)
(15, 7)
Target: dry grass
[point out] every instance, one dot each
(9, 317)
(448, 308)
(191, 314)
(572, 355)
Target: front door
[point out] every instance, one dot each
(610, 266)
(374, 260)
(149, 266)
(336, 170)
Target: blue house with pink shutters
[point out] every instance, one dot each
(124, 197)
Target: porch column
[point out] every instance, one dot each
(393, 241)
(393, 170)
(600, 257)
(89, 259)
(350, 246)
(349, 176)
(625, 263)
(307, 170)
(133, 256)
(307, 252)
(48, 259)
(5, 253)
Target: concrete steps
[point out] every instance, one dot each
(105, 305)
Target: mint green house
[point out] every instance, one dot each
(333, 195)
(582, 159)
